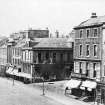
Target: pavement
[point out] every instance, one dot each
(32, 94)
(21, 94)
(56, 91)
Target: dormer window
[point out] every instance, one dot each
(81, 33)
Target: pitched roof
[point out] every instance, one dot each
(3, 41)
(92, 21)
(20, 43)
(54, 43)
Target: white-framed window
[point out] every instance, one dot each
(76, 67)
(13, 51)
(88, 33)
(80, 67)
(24, 56)
(87, 69)
(95, 50)
(87, 50)
(80, 50)
(94, 69)
(95, 32)
(81, 33)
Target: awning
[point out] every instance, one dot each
(25, 75)
(15, 72)
(9, 71)
(73, 83)
(89, 85)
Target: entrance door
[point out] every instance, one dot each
(103, 96)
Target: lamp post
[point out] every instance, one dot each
(43, 87)
(13, 75)
(13, 79)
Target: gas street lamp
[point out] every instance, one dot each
(43, 87)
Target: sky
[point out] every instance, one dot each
(61, 15)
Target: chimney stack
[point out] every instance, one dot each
(57, 34)
(93, 15)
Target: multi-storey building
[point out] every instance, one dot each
(89, 53)
(17, 54)
(3, 59)
(49, 57)
(30, 33)
(15, 44)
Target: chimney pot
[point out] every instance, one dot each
(93, 15)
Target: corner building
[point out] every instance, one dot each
(89, 56)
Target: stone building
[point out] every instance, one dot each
(20, 40)
(49, 57)
(89, 55)
(30, 33)
(14, 49)
(17, 54)
(3, 59)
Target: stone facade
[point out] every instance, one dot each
(3, 59)
(16, 56)
(87, 52)
(41, 60)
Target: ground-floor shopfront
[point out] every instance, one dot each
(89, 67)
(100, 93)
(16, 73)
(82, 87)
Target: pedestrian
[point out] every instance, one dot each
(66, 90)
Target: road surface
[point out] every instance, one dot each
(22, 94)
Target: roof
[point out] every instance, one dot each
(92, 21)
(54, 43)
(3, 41)
(20, 43)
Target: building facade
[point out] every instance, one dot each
(89, 52)
(3, 59)
(49, 57)
(14, 50)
